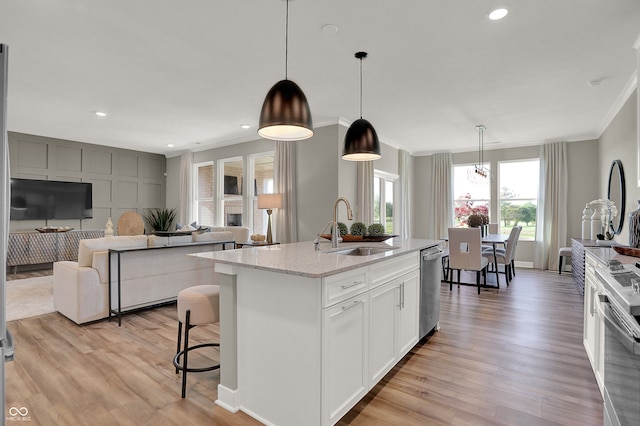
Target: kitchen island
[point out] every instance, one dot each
(305, 334)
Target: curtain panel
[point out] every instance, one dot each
(441, 200)
(406, 193)
(551, 220)
(364, 210)
(186, 188)
(285, 178)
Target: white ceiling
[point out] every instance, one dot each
(191, 72)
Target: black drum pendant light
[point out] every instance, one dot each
(285, 114)
(361, 141)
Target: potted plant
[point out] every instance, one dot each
(160, 219)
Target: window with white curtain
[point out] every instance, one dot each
(469, 197)
(384, 205)
(518, 185)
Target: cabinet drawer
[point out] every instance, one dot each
(339, 287)
(387, 270)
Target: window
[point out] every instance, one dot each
(222, 198)
(383, 200)
(204, 194)
(519, 196)
(469, 197)
(230, 184)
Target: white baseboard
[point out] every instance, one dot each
(228, 399)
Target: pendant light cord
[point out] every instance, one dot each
(286, 43)
(481, 148)
(360, 87)
(361, 56)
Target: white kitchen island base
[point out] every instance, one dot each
(303, 350)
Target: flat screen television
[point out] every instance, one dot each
(33, 199)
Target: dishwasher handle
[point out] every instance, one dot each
(431, 254)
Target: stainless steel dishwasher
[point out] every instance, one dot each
(431, 260)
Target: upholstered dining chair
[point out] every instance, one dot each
(493, 229)
(465, 253)
(505, 256)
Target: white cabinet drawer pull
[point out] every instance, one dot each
(356, 302)
(353, 284)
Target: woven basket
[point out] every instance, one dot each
(130, 223)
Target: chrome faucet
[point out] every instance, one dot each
(334, 231)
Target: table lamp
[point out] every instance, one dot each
(269, 202)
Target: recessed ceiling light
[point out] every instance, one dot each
(329, 29)
(101, 114)
(170, 145)
(245, 126)
(499, 13)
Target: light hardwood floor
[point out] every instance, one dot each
(505, 357)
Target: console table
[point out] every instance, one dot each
(136, 257)
(30, 248)
(578, 260)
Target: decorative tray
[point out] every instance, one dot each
(358, 238)
(171, 233)
(54, 229)
(627, 251)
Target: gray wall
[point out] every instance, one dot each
(323, 176)
(122, 180)
(421, 184)
(619, 142)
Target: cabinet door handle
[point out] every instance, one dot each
(402, 295)
(353, 284)
(354, 303)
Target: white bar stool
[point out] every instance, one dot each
(197, 305)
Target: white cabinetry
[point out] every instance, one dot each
(305, 344)
(593, 327)
(393, 323)
(345, 353)
(407, 335)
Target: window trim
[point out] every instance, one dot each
(500, 199)
(195, 200)
(395, 179)
(489, 200)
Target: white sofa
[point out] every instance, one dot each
(152, 273)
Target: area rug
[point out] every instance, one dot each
(29, 297)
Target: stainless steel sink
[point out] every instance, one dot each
(362, 251)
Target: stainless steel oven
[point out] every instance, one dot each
(621, 365)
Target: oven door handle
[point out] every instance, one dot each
(622, 335)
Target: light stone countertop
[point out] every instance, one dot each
(301, 259)
(604, 254)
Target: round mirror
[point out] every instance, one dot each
(616, 193)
